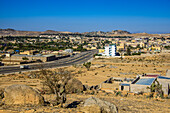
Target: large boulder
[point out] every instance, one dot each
(22, 95)
(74, 86)
(99, 105)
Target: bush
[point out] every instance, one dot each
(87, 65)
(25, 58)
(156, 87)
(150, 96)
(97, 55)
(118, 93)
(136, 53)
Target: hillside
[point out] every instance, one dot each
(102, 33)
(13, 32)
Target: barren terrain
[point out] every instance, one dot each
(100, 70)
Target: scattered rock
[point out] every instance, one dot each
(94, 87)
(86, 87)
(1, 94)
(96, 105)
(22, 95)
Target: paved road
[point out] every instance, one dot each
(76, 59)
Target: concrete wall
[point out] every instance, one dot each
(138, 88)
(12, 62)
(125, 88)
(168, 73)
(165, 85)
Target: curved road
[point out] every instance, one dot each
(76, 59)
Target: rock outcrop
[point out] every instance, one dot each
(22, 95)
(96, 105)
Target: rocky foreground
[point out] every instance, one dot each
(90, 102)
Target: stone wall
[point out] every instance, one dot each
(109, 86)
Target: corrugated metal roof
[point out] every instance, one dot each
(162, 77)
(151, 75)
(145, 81)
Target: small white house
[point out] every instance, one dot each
(68, 50)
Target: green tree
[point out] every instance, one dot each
(156, 87)
(87, 65)
(25, 58)
(128, 51)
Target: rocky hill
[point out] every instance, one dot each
(13, 32)
(116, 32)
(120, 32)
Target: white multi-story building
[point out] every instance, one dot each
(110, 50)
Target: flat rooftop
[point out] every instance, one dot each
(38, 55)
(145, 81)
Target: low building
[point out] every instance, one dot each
(70, 51)
(101, 50)
(113, 83)
(141, 84)
(19, 59)
(31, 52)
(93, 48)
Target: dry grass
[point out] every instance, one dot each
(101, 70)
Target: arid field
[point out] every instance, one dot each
(101, 70)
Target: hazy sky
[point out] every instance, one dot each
(152, 16)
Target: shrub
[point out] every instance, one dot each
(136, 53)
(150, 95)
(156, 87)
(118, 93)
(25, 58)
(87, 65)
(96, 73)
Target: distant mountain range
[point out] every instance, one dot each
(13, 32)
(114, 32)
